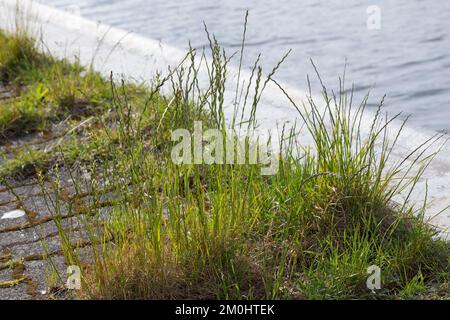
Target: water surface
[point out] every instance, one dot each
(407, 58)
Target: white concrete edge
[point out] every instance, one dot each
(137, 57)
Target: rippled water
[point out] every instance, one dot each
(407, 58)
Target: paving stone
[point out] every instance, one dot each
(7, 223)
(5, 275)
(18, 292)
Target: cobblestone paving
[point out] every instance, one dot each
(29, 243)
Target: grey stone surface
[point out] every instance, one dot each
(33, 238)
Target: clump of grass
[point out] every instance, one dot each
(46, 94)
(226, 231)
(25, 115)
(77, 91)
(50, 90)
(23, 165)
(20, 59)
(221, 231)
(29, 161)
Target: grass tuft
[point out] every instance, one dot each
(223, 231)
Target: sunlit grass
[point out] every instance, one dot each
(224, 231)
